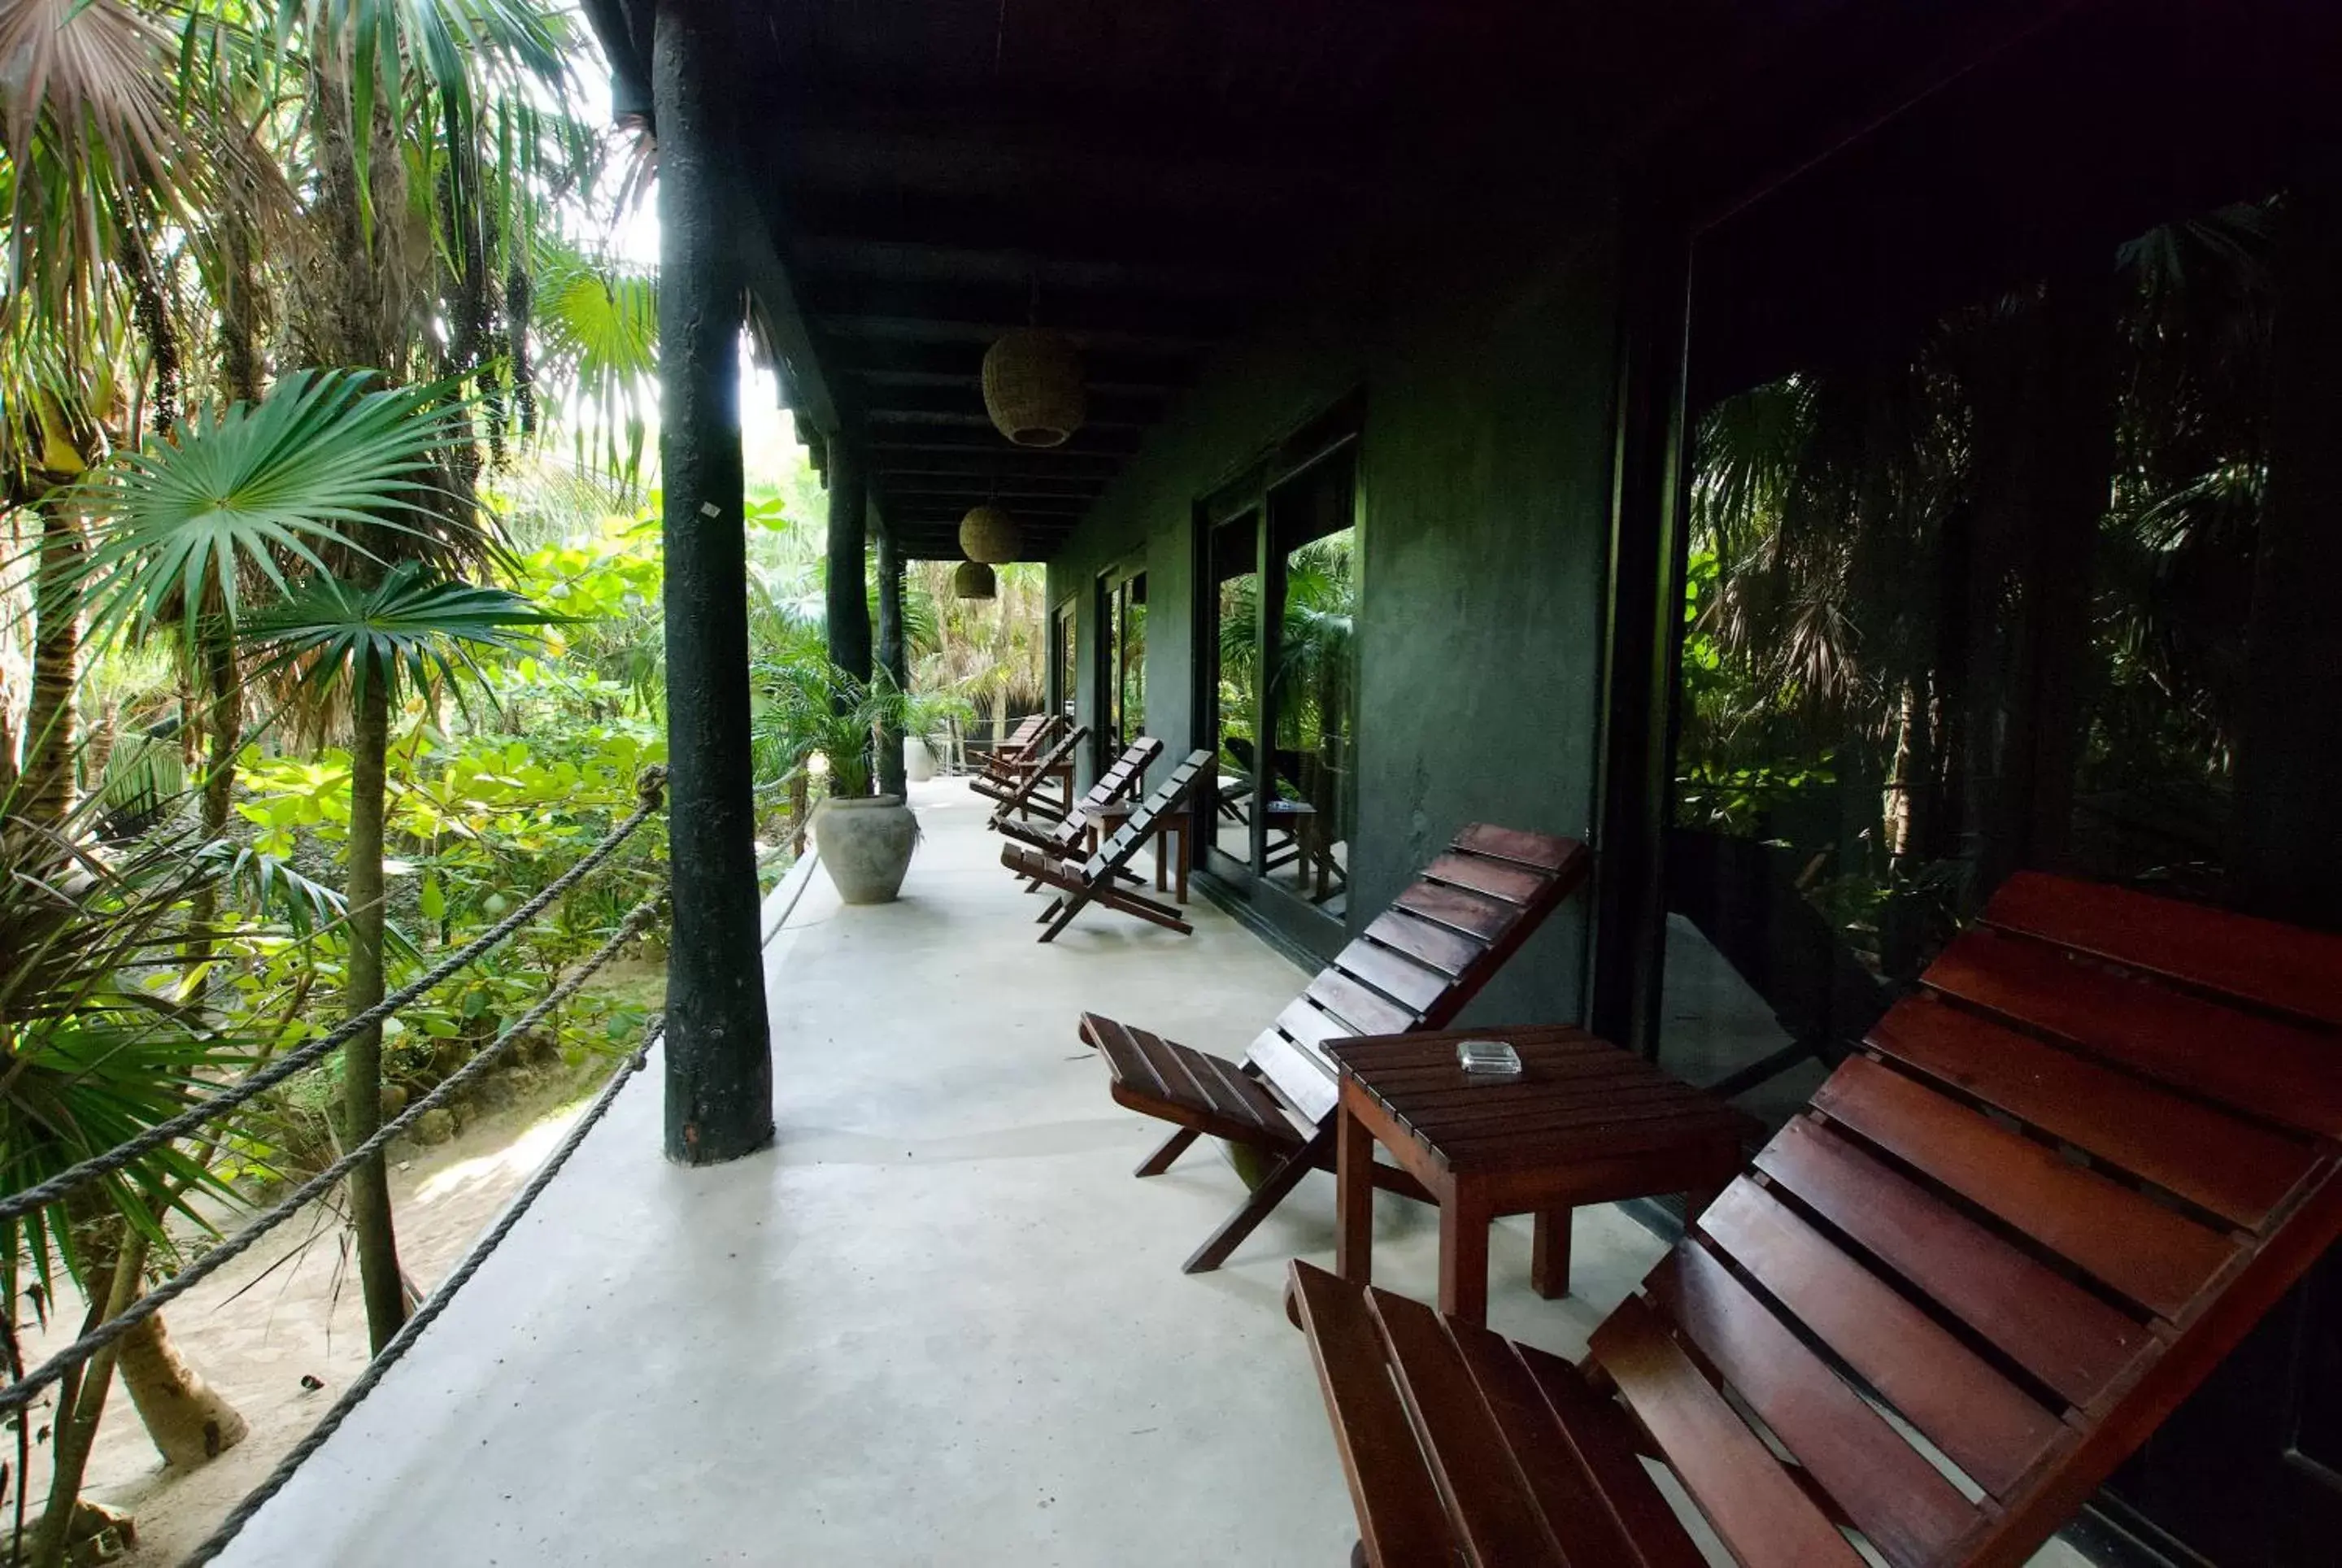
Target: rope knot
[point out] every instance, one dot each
(650, 786)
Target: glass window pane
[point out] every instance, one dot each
(1133, 660)
(1974, 601)
(1236, 691)
(1310, 789)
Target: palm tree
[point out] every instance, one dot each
(201, 525)
(91, 1055)
(369, 645)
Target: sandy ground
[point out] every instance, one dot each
(288, 1309)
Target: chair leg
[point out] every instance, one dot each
(1173, 1147)
(1255, 1208)
(1070, 905)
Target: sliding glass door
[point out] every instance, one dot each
(1278, 685)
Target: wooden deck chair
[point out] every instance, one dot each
(1022, 797)
(1999, 1247)
(1415, 967)
(1099, 878)
(1011, 759)
(1062, 839)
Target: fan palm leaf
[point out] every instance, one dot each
(252, 493)
(412, 628)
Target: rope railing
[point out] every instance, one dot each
(20, 1393)
(650, 793)
(425, 1314)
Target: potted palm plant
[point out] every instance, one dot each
(926, 718)
(819, 719)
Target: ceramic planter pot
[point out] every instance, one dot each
(918, 762)
(865, 845)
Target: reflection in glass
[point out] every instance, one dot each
(1977, 602)
(1061, 657)
(1310, 814)
(1236, 686)
(1131, 698)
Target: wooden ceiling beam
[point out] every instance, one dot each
(987, 443)
(982, 332)
(958, 401)
(982, 467)
(826, 257)
(960, 158)
(873, 361)
(1025, 488)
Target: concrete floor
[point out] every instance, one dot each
(939, 1322)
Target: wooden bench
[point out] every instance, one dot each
(1100, 879)
(1415, 967)
(1996, 1250)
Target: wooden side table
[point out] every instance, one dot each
(1103, 821)
(1585, 1122)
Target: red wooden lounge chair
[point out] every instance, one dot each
(1413, 968)
(2059, 1186)
(1099, 878)
(1022, 797)
(1061, 839)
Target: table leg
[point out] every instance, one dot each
(1549, 1255)
(1463, 1255)
(1354, 1199)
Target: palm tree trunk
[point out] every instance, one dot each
(369, 1191)
(188, 1420)
(45, 793)
(223, 680)
(80, 1413)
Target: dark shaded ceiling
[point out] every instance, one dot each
(1151, 178)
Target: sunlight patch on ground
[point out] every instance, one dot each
(522, 1156)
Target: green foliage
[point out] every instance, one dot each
(411, 629)
(809, 709)
(95, 1048)
(250, 493)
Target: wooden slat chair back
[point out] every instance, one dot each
(1013, 758)
(1415, 967)
(1099, 879)
(1121, 844)
(1013, 748)
(1419, 962)
(1999, 1247)
(1126, 776)
(1022, 798)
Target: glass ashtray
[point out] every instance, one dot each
(1487, 1058)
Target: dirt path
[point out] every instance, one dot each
(289, 1308)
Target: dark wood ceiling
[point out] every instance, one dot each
(1150, 178)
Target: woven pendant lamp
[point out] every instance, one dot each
(974, 580)
(989, 533)
(1033, 386)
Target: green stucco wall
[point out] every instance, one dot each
(1484, 475)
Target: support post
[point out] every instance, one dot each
(718, 1055)
(848, 600)
(891, 661)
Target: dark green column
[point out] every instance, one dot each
(849, 604)
(719, 1054)
(890, 657)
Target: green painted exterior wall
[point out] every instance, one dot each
(1488, 377)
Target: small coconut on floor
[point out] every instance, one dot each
(865, 843)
